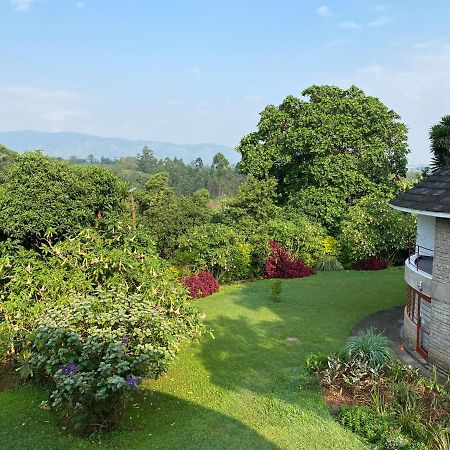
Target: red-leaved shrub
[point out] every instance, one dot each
(281, 264)
(372, 263)
(201, 285)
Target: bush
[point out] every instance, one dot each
(276, 290)
(371, 347)
(372, 227)
(372, 426)
(215, 248)
(96, 350)
(316, 362)
(116, 258)
(327, 264)
(372, 263)
(201, 285)
(45, 198)
(281, 264)
(298, 235)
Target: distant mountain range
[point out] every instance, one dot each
(81, 145)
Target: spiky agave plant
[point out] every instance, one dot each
(440, 144)
(370, 346)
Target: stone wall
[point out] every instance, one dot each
(440, 307)
(441, 263)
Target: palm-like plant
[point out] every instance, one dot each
(440, 144)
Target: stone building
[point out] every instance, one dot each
(427, 270)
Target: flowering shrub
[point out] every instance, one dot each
(201, 285)
(96, 350)
(281, 264)
(372, 263)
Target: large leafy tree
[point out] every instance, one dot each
(328, 150)
(440, 144)
(42, 197)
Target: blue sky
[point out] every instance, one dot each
(201, 71)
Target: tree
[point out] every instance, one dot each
(337, 143)
(221, 175)
(146, 162)
(440, 144)
(165, 215)
(42, 197)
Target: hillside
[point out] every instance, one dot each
(65, 144)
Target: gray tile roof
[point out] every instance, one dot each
(432, 194)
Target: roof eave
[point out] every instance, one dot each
(443, 215)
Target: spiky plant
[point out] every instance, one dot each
(372, 347)
(440, 144)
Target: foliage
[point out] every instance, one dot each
(316, 362)
(220, 178)
(201, 285)
(371, 347)
(327, 151)
(97, 349)
(206, 393)
(365, 422)
(298, 235)
(373, 262)
(328, 263)
(116, 258)
(276, 290)
(167, 216)
(43, 197)
(254, 204)
(217, 249)
(372, 227)
(440, 144)
(281, 264)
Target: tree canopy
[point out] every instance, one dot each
(331, 148)
(41, 197)
(440, 144)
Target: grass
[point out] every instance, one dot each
(244, 389)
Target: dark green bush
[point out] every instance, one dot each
(45, 198)
(316, 362)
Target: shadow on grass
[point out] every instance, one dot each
(153, 420)
(253, 347)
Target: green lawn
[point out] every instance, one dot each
(242, 390)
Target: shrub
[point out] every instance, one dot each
(316, 362)
(371, 347)
(201, 285)
(372, 426)
(276, 289)
(96, 350)
(372, 263)
(372, 227)
(327, 264)
(281, 264)
(116, 258)
(298, 235)
(215, 248)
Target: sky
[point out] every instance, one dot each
(202, 71)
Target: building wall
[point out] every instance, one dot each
(426, 226)
(440, 310)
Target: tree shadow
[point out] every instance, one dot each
(261, 345)
(161, 421)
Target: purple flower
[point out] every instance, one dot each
(155, 308)
(70, 368)
(133, 382)
(124, 339)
